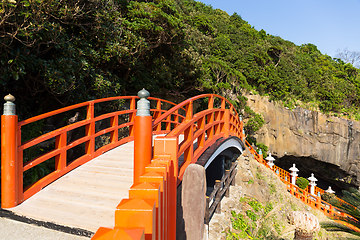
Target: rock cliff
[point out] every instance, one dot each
(326, 145)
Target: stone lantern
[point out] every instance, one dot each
(270, 160)
(329, 190)
(293, 174)
(312, 184)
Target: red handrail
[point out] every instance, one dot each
(62, 145)
(152, 201)
(304, 195)
(204, 127)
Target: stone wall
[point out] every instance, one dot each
(309, 134)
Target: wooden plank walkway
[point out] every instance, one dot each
(86, 197)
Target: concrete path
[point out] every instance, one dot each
(11, 230)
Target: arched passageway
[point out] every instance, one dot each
(218, 158)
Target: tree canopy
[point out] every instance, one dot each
(55, 53)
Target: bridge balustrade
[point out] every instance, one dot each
(256, 155)
(304, 195)
(283, 174)
(150, 211)
(119, 131)
(201, 127)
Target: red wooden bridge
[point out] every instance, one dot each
(138, 158)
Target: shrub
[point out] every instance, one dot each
(302, 182)
(328, 197)
(263, 148)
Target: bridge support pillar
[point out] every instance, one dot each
(11, 170)
(143, 135)
(193, 202)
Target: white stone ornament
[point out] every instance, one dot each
(312, 184)
(293, 174)
(270, 160)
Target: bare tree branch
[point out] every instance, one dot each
(348, 56)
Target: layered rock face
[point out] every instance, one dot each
(310, 135)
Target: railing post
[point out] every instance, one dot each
(227, 183)
(114, 135)
(318, 203)
(189, 111)
(11, 169)
(157, 114)
(143, 135)
(132, 117)
(226, 128)
(60, 143)
(207, 210)
(261, 159)
(90, 130)
(218, 196)
(211, 102)
(165, 147)
(233, 181)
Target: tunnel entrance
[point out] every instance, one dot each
(326, 173)
(216, 169)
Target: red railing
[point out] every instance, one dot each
(200, 130)
(283, 174)
(316, 202)
(150, 211)
(62, 144)
(257, 156)
(304, 194)
(151, 207)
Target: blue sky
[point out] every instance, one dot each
(331, 25)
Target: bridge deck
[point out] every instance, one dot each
(86, 197)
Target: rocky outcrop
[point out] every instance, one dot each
(306, 224)
(255, 181)
(310, 135)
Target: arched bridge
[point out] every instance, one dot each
(113, 172)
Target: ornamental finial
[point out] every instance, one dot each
(143, 93)
(9, 98)
(9, 106)
(143, 105)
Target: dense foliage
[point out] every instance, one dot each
(254, 224)
(55, 53)
(302, 182)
